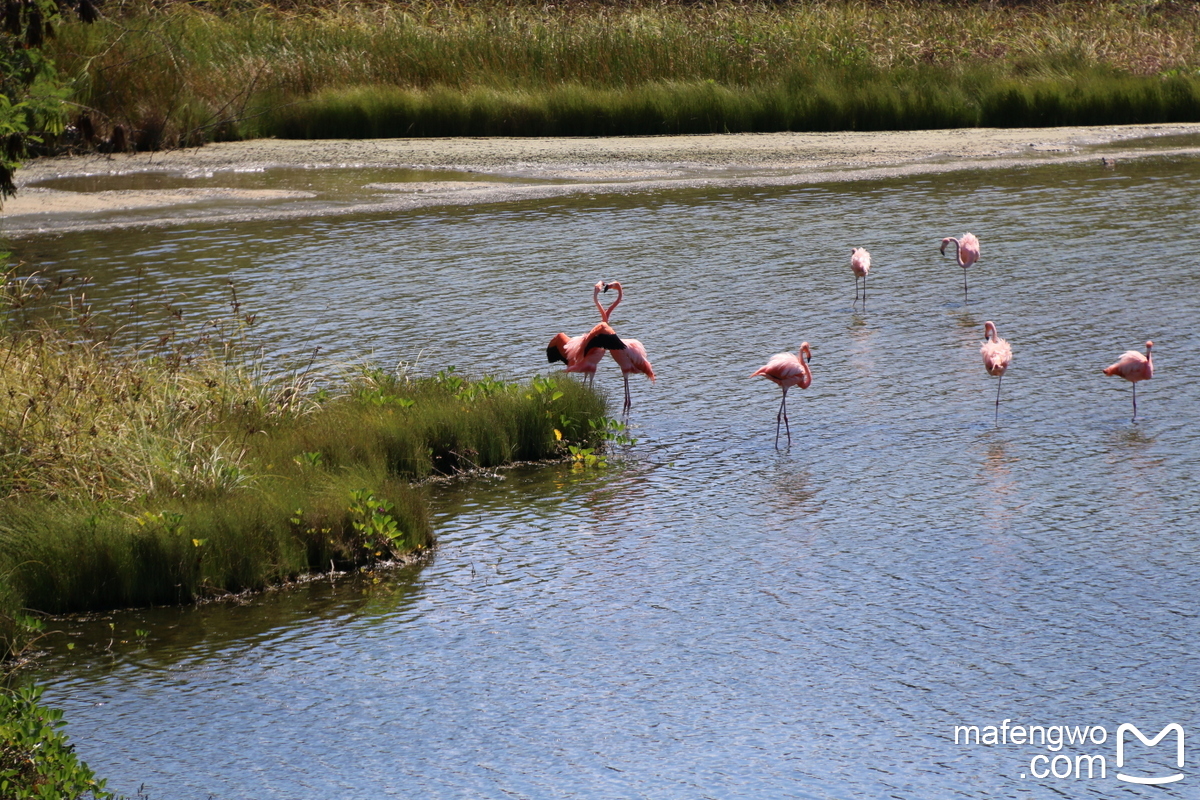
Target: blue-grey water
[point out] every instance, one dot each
(710, 617)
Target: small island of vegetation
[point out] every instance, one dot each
(142, 467)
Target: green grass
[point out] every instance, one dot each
(908, 101)
(188, 468)
(184, 72)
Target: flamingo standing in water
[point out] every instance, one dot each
(583, 353)
(997, 355)
(860, 263)
(1133, 367)
(967, 251)
(785, 371)
(633, 358)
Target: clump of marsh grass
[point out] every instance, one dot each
(415, 427)
(86, 413)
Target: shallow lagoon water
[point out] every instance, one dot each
(710, 616)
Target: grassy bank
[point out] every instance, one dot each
(185, 468)
(188, 73)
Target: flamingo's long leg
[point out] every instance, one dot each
(778, 416)
(786, 426)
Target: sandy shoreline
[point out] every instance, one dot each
(508, 169)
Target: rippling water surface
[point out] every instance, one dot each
(712, 617)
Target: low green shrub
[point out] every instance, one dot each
(36, 760)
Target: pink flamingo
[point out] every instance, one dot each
(785, 371)
(997, 355)
(860, 263)
(1133, 367)
(967, 251)
(583, 353)
(633, 358)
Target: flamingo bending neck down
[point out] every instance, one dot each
(1133, 367)
(633, 358)
(860, 263)
(966, 250)
(997, 355)
(583, 353)
(785, 371)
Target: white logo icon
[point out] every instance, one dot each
(1173, 727)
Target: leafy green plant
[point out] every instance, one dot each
(372, 520)
(612, 430)
(547, 392)
(169, 521)
(586, 457)
(478, 389)
(33, 95)
(314, 459)
(447, 378)
(36, 760)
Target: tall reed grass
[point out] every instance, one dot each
(186, 72)
(186, 468)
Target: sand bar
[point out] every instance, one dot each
(469, 171)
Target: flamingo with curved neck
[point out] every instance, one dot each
(633, 358)
(1133, 367)
(583, 354)
(785, 371)
(966, 251)
(601, 286)
(997, 355)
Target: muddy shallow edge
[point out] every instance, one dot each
(562, 166)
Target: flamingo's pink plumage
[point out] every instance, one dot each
(996, 352)
(997, 355)
(1133, 367)
(860, 264)
(633, 358)
(583, 353)
(785, 371)
(966, 250)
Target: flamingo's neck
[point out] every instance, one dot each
(957, 249)
(606, 313)
(596, 300)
